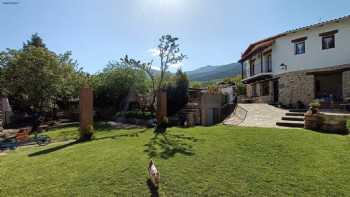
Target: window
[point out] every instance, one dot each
(328, 39)
(252, 67)
(265, 88)
(300, 48)
(269, 63)
(328, 42)
(299, 45)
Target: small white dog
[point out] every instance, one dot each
(154, 173)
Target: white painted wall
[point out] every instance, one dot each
(257, 65)
(229, 91)
(257, 58)
(314, 57)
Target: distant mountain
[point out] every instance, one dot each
(155, 72)
(208, 73)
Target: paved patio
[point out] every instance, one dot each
(256, 115)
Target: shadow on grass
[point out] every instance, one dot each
(344, 133)
(132, 134)
(53, 149)
(108, 126)
(326, 132)
(168, 145)
(60, 147)
(152, 189)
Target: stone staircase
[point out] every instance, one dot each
(293, 118)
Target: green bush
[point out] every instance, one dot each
(315, 104)
(135, 114)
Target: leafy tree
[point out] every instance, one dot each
(72, 78)
(31, 77)
(177, 92)
(113, 85)
(237, 81)
(147, 68)
(35, 41)
(35, 78)
(196, 84)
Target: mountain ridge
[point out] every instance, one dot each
(214, 72)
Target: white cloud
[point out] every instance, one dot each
(155, 67)
(154, 52)
(176, 66)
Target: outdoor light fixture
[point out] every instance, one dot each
(283, 66)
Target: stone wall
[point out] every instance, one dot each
(258, 98)
(300, 86)
(209, 102)
(263, 99)
(346, 85)
(332, 123)
(296, 86)
(249, 90)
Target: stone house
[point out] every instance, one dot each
(300, 65)
(206, 108)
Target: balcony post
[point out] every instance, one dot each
(261, 61)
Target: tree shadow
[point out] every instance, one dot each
(109, 126)
(114, 137)
(60, 147)
(152, 189)
(53, 149)
(168, 145)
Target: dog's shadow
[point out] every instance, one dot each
(152, 188)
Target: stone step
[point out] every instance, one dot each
(290, 124)
(298, 110)
(293, 118)
(294, 114)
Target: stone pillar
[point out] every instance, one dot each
(86, 109)
(346, 86)
(249, 91)
(258, 89)
(271, 91)
(204, 110)
(161, 105)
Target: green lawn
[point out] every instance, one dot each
(212, 161)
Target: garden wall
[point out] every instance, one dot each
(333, 123)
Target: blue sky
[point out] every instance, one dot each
(211, 32)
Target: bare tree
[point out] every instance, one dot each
(169, 54)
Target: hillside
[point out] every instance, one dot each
(208, 73)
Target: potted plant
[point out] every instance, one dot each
(314, 106)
